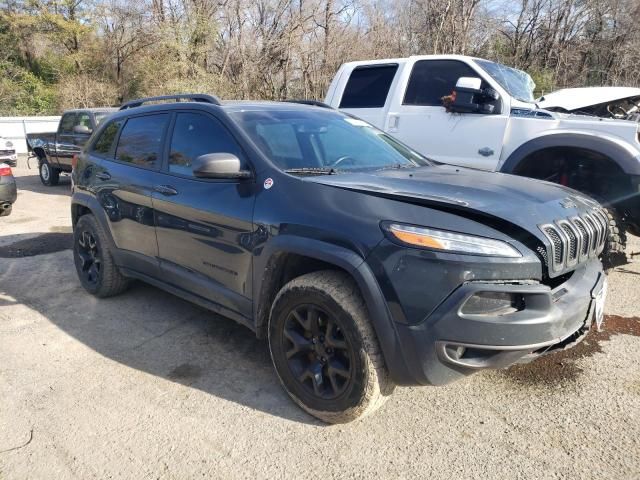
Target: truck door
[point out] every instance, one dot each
(71, 143)
(417, 117)
(64, 139)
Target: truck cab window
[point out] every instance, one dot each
(368, 86)
(433, 79)
(66, 123)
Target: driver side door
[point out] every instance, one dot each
(418, 118)
(204, 226)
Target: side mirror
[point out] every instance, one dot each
(82, 130)
(219, 165)
(468, 96)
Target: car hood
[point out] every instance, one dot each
(571, 99)
(520, 201)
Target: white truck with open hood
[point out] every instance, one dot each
(476, 113)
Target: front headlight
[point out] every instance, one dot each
(450, 241)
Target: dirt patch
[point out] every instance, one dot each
(45, 243)
(560, 367)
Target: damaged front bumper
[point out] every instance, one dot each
(454, 341)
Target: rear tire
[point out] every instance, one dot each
(93, 259)
(49, 175)
(324, 349)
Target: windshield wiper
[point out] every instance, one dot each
(312, 171)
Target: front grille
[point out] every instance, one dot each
(6, 153)
(575, 239)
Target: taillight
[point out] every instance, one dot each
(74, 160)
(5, 170)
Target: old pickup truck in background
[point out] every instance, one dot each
(55, 150)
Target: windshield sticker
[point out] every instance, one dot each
(268, 183)
(356, 122)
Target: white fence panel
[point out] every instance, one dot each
(15, 128)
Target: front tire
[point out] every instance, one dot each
(93, 259)
(49, 175)
(324, 349)
(614, 254)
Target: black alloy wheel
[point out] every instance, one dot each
(318, 353)
(88, 250)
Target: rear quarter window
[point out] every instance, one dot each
(368, 86)
(104, 144)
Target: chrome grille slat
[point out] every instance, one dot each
(576, 239)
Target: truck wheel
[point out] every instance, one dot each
(92, 256)
(324, 349)
(614, 254)
(49, 175)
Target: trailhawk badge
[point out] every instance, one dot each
(268, 183)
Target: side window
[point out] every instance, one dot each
(368, 86)
(83, 120)
(67, 122)
(433, 79)
(196, 134)
(103, 145)
(141, 140)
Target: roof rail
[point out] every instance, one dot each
(315, 103)
(194, 97)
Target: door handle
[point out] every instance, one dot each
(485, 152)
(103, 176)
(167, 190)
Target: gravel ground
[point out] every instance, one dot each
(146, 385)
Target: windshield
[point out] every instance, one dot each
(323, 139)
(518, 83)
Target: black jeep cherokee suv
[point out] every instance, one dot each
(364, 264)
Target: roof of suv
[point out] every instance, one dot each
(227, 106)
(92, 110)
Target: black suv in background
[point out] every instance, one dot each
(364, 264)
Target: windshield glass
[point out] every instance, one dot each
(323, 139)
(518, 83)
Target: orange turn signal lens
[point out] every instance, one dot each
(417, 239)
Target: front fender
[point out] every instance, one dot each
(626, 155)
(266, 273)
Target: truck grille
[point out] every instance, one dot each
(575, 239)
(6, 153)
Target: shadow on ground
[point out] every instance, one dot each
(151, 331)
(31, 182)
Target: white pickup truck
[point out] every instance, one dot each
(492, 122)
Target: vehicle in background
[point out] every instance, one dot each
(8, 191)
(476, 113)
(55, 150)
(622, 103)
(8, 152)
(363, 263)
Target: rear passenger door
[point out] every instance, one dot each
(126, 172)
(204, 226)
(366, 94)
